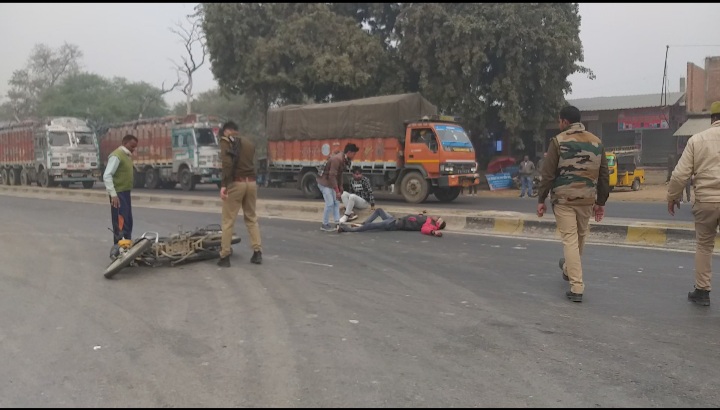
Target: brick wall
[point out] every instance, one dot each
(712, 80)
(695, 97)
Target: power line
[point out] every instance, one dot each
(696, 45)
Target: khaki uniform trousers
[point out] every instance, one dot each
(573, 225)
(241, 195)
(707, 220)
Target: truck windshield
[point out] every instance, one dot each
(84, 138)
(59, 139)
(205, 137)
(453, 136)
(611, 161)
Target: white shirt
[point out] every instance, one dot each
(110, 169)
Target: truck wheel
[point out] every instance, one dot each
(138, 179)
(635, 185)
(187, 182)
(447, 194)
(14, 177)
(45, 180)
(24, 178)
(4, 176)
(309, 185)
(415, 189)
(88, 184)
(152, 179)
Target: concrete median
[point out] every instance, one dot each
(611, 230)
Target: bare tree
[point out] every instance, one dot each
(147, 99)
(193, 39)
(43, 70)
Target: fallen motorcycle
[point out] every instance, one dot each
(153, 250)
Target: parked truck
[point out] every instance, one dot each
(50, 152)
(171, 150)
(403, 144)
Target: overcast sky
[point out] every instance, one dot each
(624, 43)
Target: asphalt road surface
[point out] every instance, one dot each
(631, 210)
(386, 319)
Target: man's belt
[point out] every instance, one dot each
(244, 179)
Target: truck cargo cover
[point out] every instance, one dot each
(363, 118)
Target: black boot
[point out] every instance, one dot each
(699, 296)
(562, 263)
(256, 258)
(575, 297)
(224, 262)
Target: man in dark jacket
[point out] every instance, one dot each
(330, 183)
(427, 225)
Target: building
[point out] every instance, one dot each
(703, 88)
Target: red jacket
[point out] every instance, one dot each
(429, 226)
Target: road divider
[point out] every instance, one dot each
(611, 230)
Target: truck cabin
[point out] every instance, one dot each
(73, 139)
(439, 131)
(203, 136)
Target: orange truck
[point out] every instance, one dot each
(403, 144)
(171, 150)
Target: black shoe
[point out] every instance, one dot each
(700, 297)
(562, 263)
(224, 262)
(575, 297)
(256, 258)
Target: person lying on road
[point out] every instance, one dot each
(427, 225)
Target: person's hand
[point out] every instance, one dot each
(672, 205)
(338, 195)
(223, 193)
(372, 207)
(115, 202)
(599, 212)
(541, 209)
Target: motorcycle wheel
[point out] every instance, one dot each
(126, 259)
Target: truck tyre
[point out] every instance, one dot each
(14, 176)
(309, 185)
(187, 182)
(152, 178)
(45, 180)
(24, 178)
(635, 185)
(447, 194)
(88, 184)
(415, 188)
(138, 179)
(4, 176)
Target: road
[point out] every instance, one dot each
(387, 319)
(631, 210)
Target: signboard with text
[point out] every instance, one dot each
(652, 119)
(502, 180)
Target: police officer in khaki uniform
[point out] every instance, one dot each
(701, 160)
(238, 190)
(575, 173)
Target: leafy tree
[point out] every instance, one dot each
(101, 100)
(44, 68)
(503, 67)
(238, 108)
(277, 53)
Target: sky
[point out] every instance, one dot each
(624, 44)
